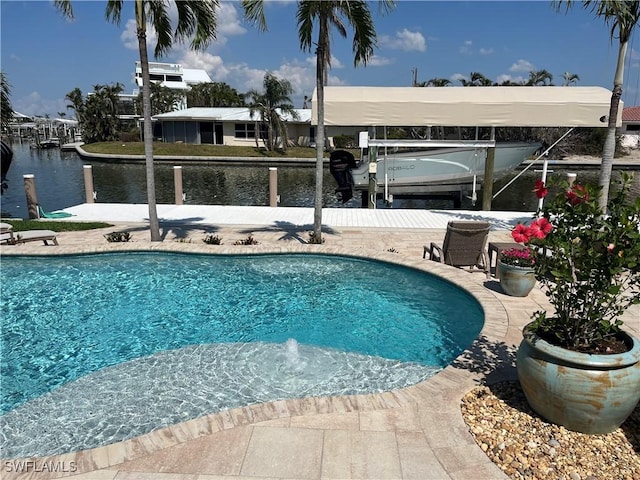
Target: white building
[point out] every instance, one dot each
(226, 126)
(170, 75)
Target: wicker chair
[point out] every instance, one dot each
(464, 246)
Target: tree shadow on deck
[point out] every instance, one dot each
(290, 231)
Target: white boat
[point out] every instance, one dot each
(440, 170)
(434, 171)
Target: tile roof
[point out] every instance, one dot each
(631, 114)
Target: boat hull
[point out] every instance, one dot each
(441, 170)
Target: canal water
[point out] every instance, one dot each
(59, 183)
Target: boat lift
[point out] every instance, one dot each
(526, 106)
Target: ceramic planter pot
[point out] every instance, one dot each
(516, 281)
(582, 392)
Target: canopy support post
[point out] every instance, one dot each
(487, 185)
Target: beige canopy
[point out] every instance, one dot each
(515, 106)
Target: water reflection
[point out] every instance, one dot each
(60, 184)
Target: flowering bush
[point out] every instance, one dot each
(517, 257)
(589, 262)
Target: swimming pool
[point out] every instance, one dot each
(291, 321)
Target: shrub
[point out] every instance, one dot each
(118, 237)
(212, 239)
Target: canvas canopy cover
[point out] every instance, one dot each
(514, 106)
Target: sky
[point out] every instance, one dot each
(45, 56)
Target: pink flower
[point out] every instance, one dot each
(540, 190)
(610, 247)
(577, 194)
(540, 228)
(521, 233)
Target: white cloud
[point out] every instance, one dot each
(335, 62)
(404, 40)
(212, 64)
(522, 66)
(228, 25)
(129, 36)
(301, 76)
(486, 51)
(377, 61)
(466, 47)
(34, 104)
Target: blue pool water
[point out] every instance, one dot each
(65, 319)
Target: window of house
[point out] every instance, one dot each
(245, 130)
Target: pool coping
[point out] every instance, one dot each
(441, 393)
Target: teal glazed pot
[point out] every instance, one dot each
(582, 392)
(516, 281)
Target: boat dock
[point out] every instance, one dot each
(292, 217)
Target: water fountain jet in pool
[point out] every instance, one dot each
(294, 361)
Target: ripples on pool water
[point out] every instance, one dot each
(203, 333)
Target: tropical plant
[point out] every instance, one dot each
(196, 19)
(214, 94)
(163, 99)
(270, 106)
(211, 239)
(98, 113)
(116, 237)
(570, 78)
(250, 240)
(622, 17)
(435, 82)
(476, 79)
(540, 77)
(77, 103)
(589, 264)
(326, 14)
(6, 111)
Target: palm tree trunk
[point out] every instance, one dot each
(609, 148)
(154, 226)
(317, 211)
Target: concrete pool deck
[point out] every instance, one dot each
(417, 432)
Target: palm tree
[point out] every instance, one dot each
(214, 94)
(270, 106)
(622, 17)
(476, 79)
(540, 77)
(435, 82)
(327, 14)
(6, 111)
(163, 99)
(197, 19)
(570, 78)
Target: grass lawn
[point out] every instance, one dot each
(24, 225)
(183, 149)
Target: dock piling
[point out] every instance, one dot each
(89, 193)
(274, 198)
(32, 196)
(177, 182)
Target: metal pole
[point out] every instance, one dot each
(373, 182)
(487, 185)
(545, 166)
(89, 193)
(273, 187)
(177, 182)
(32, 197)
